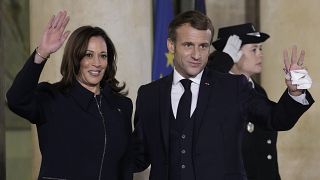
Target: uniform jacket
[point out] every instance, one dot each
(70, 129)
(259, 146)
(224, 101)
(259, 149)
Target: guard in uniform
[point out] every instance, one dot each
(259, 146)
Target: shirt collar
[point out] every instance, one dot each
(177, 77)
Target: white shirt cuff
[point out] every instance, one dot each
(300, 99)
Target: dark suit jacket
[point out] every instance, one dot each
(259, 146)
(70, 129)
(223, 103)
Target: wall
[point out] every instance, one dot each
(294, 22)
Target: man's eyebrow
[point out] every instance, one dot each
(206, 43)
(257, 45)
(188, 42)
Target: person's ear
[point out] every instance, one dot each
(170, 45)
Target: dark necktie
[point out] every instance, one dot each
(183, 112)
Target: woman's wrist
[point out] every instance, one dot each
(42, 54)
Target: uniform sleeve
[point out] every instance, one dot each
(220, 61)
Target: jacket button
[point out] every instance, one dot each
(269, 141)
(250, 127)
(183, 151)
(269, 157)
(183, 166)
(183, 136)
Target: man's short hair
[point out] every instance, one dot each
(196, 19)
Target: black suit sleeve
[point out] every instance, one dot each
(287, 111)
(279, 116)
(141, 158)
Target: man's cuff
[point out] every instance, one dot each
(300, 99)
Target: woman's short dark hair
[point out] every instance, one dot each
(196, 19)
(75, 50)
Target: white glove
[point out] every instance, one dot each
(301, 78)
(233, 48)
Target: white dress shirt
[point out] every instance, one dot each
(177, 91)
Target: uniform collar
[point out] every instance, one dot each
(249, 80)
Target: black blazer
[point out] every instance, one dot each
(224, 101)
(259, 146)
(70, 129)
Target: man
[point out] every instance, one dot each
(205, 144)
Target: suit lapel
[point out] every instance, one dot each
(205, 91)
(165, 105)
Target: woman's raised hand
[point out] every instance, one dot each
(53, 36)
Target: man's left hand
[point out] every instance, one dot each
(297, 78)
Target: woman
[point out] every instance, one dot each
(84, 120)
(259, 146)
(239, 51)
